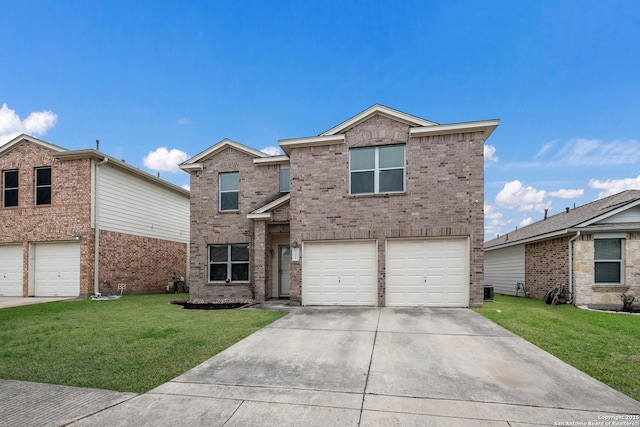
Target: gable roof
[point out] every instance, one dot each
(28, 138)
(194, 162)
(264, 212)
(564, 222)
(380, 110)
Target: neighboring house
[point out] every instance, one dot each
(384, 209)
(593, 250)
(75, 223)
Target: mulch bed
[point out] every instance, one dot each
(209, 306)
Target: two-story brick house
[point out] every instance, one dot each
(78, 222)
(384, 209)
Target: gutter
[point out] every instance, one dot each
(570, 301)
(96, 246)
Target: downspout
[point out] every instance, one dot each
(571, 266)
(96, 248)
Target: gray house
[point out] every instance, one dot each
(593, 250)
(385, 208)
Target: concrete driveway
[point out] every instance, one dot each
(377, 367)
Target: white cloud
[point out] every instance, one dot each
(613, 186)
(489, 153)
(36, 123)
(187, 187)
(594, 152)
(545, 148)
(163, 160)
(184, 121)
(567, 194)
(526, 222)
(493, 221)
(514, 196)
(272, 151)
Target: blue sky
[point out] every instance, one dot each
(562, 76)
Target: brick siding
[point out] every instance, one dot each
(546, 266)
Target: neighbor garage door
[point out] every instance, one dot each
(57, 270)
(339, 273)
(11, 271)
(427, 272)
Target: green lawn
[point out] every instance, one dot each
(606, 346)
(132, 344)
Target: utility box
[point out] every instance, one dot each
(488, 293)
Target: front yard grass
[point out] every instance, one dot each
(132, 344)
(605, 346)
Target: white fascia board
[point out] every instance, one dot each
(378, 109)
(260, 216)
(273, 160)
(275, 204)
(609, 214)
(222, 145)
(487, 126)
(312, 141)
(531, 239)
(24, 137)
(191, 167)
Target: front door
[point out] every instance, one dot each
(284, 262)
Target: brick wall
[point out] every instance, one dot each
(69, 212)
(546, 266)
(143, 264)
(259, 185)
(444, 176)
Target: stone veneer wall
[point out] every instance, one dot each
(444, 177)
(546, 266)
(590, 293)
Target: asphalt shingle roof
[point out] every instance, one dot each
(565, 220)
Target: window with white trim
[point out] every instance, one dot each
(285, 179)
(10, 188)
(43, 185)
(608, 260)
(229, 184)
(376, 170)
(229, 263)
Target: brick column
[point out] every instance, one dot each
(260, 260)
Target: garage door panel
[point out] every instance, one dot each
(427, 272)
(11, 274)
(339, 273)
(57, 270)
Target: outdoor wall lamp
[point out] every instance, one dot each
(77, 235)
(294, 244)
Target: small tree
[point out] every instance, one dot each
(627, 301)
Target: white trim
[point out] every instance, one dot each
(608, 214)
(272, 205)
(312, 141)
(538, 238)
(274, 160)
(24, 137)
(192, 167)
(221, 146)
(487, 126)
(610, 236)
(260, 216)
(378, 109)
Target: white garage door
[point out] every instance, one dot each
(57, 270)
(11, 271)
(339, 273)
(428, 273)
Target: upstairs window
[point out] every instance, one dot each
(285, 179)
(229, 184)
(10, 188)
(43, 186)
(376, 170)
(229, 262)
(608, 259)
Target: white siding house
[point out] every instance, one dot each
(504, 269)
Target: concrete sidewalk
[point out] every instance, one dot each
(17, 301)
(376, 367)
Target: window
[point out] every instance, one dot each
(10, 191)
(229, 262)
(229, 191)
(43, 186)
(377, 170)
(285, 178)
(608, 260)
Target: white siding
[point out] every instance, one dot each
(504, 268)
(630, 215)
(132, 205)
